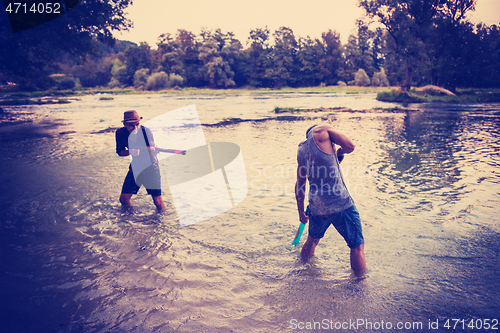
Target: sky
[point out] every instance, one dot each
(151, 18)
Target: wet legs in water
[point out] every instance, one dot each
(158, 201)
(358, 262)
(357, 256)
(126, 202)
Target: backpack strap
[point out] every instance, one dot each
(145, 136)
(152, 156)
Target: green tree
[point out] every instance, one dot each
(450, 44)
(359, 52)
(284, 59)
(331, 66)
(216, 69)
(135, 58)
(310, 55)
(424, 34)
(28, 56)
(258, 55)
(94, 72)
(486, 64)
(378, 49)
(232, 52)
(408, 23)
(169, 55)
(189, 48)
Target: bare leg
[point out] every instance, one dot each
(158, 201)
(125, 199)
(358, 262)
(308, 248)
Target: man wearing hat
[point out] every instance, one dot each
(137, 141)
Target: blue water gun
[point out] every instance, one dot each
(295, 243)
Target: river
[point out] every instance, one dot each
(425, 181)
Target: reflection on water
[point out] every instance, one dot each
(426, 184)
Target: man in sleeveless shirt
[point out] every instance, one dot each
(133, 133)
(329, 200)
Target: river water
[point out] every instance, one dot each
(425, 181)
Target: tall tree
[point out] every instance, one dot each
(284, 58)
(377, 49)
(310, 55)
(169, 55)
(216, 69)
(189, 48)
(258, 58)
(331, 66)
(136, 58)
(407, 22)
(449, 47)
(358, 52)
(232, 52)
(412, 24)
(28, 56)
(486, 65)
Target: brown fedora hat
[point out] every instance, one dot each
(131, 116)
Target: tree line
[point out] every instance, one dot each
(398, 42)
(218, 60)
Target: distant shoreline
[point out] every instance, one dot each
(388, 94)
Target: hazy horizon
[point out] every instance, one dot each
(155, 17)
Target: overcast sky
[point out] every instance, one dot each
(152, 18)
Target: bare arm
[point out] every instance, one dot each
(325, 135)
(300, 192)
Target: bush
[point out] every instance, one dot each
(45, 82)
(361, 78)
(341, 84)
(379, 79)
(41, 82)
(92, 73)
(119, 73)
(157, 81)
(68, 83)
(114, 83)
(175, 80)
(141, 78)
(399, 96)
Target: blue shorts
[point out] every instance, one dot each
(346, 222)
(131, 187)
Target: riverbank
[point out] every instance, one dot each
(384, 94)
(279, 110)
(66, 96)
(433, 94)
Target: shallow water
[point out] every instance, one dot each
(426, 184)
